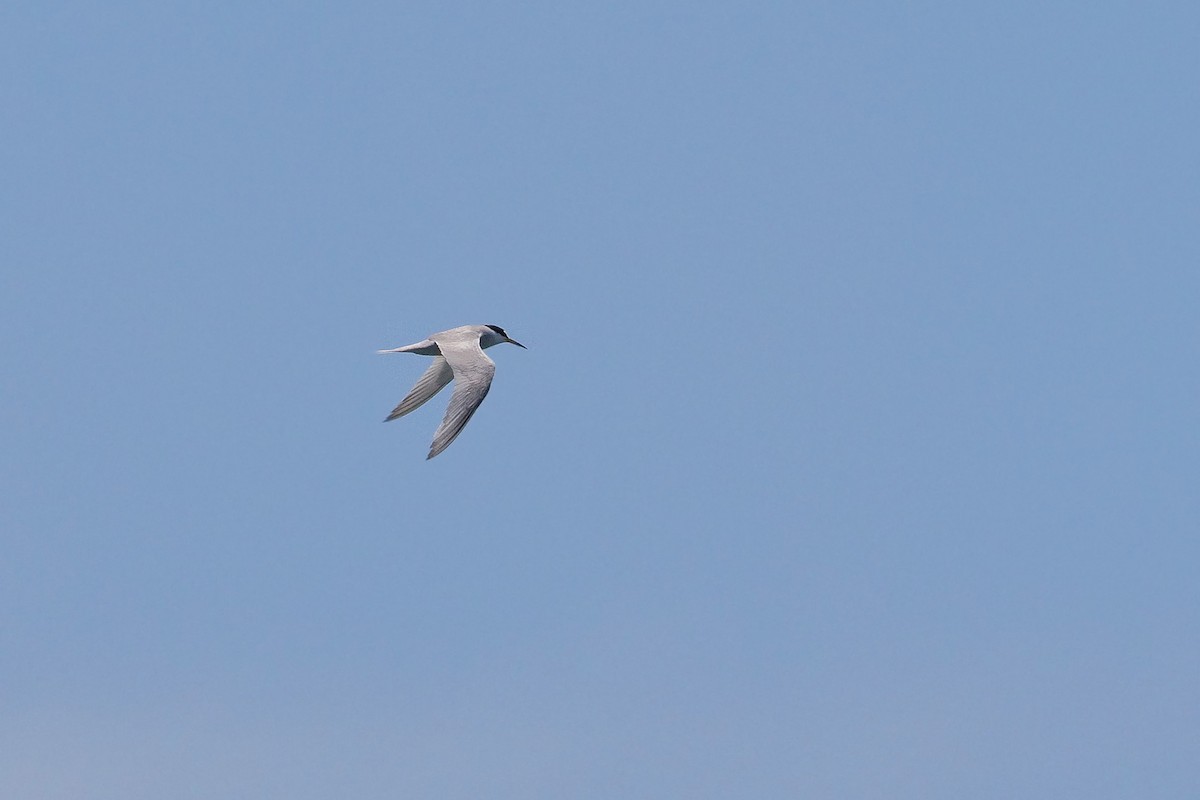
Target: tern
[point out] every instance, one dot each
(457, 355)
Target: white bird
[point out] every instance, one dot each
(458, 355)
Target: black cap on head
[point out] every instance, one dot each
(499, 330)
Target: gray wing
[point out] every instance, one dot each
(473, 373)
(432, 382)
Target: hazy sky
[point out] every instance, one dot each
(854, 455)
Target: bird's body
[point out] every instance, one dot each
(457, 355)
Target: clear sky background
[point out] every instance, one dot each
(854, 454)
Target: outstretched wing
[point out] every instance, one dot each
(473, 373)
(432, 382)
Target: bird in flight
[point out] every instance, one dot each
(457, 355)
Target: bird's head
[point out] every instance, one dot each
(494, 334)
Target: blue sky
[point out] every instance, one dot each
(854, 453)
